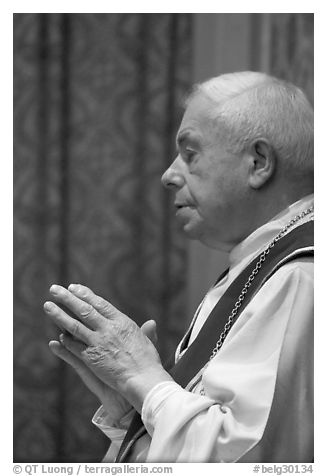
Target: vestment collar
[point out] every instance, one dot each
(260, 238)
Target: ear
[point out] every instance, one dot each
(262, 163)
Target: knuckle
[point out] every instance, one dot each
(86, 310)
(105, 307)
(75, 328)
(93, 354)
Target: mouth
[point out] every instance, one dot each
(178, 206)
(182, 208)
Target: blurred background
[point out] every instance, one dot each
(97, 103)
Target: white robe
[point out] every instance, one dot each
(258, 402)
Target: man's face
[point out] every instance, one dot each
(209, 182)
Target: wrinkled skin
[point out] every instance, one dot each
(105, 347)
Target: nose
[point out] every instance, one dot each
(173, 177)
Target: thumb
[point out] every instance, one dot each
(149, 328)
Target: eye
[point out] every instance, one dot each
(189, 154)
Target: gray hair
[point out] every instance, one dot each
(249, 105)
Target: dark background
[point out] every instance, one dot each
(96, 108)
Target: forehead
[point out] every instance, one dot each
(196, 119)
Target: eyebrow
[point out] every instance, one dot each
(187, 137)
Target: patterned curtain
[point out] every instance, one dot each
(96, 107)
(292, 49)
(286, 47)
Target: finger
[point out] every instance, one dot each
(73, 326)
(60, 351)
(101, 305)
(149, 328)
(82, 310)
(74, 346)
(90, 380)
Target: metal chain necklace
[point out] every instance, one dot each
(248, 283)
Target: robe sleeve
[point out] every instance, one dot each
(115, 431)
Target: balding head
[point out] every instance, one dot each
(248, 106)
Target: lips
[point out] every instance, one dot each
(182, 205)
(183, 209)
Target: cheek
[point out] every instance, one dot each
(219, 200)
(212, 190)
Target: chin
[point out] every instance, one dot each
(192, 232)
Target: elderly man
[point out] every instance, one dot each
(241, 386)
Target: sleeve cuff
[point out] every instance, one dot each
(154, 401)
(115, 430)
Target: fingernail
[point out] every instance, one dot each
(61, 338)
(73, 287)
(54, 289)
(48, 306)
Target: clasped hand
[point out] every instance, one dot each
(108, 342)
